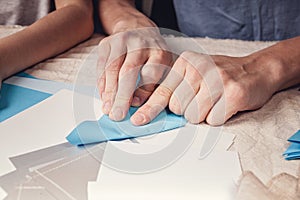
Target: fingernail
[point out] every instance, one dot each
(139, 119)
(106, 107)
(136, 101)
(117, 114)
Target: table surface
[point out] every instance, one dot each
(260, 135)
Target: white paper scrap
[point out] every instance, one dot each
(3, 194)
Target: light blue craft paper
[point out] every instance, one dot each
(293, 151)
(293, 148)
(105, 129)
(15, 99)
(292, 156)
(295, 137)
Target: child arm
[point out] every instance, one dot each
(69, 24)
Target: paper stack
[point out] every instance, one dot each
(40, 126)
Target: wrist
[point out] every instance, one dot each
(131, 19)
(126, 24)
(282, 61)
(119, 16)
(267, 65)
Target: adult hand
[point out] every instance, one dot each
(123, 57)
(213, 88)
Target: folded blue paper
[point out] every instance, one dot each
(14, 99)
(293, 151)
(104, 129)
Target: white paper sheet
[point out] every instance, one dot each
(202, 132)
(43, 125)
(214, 177)
(3, 194)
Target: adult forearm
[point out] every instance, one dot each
(280, 63)
(47, 37)
(121, 15)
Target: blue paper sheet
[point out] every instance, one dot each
(105, 129)
(293, 151)
(295, 137)
(15, 99)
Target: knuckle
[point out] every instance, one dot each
(130, 66)
(142, 42)
(101, 61)
(202, 61)
(125, 35)
(186, 54)
(163, 91)
(114, 65)
(137, 42)
(193, 75)
(104, 41)
(163, 57)
(196, 60)
(159, 54)
(223, 74)
(122, 37)
(237, 93)
(124, 101)
(108, 95)
(112, 72)
(101, 78)
(128, 71)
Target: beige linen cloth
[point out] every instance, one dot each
(260, 135)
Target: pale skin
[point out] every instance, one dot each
(70, 24)
(127, 50)
(200, 87)
(216, 88)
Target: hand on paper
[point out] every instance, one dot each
(211, 88)
(198, 87)
(123, 56)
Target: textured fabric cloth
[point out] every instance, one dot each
(22, 12)
(239, 19)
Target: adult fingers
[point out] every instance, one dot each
(127, 83)
(198, 68)
(199, 107)
(160, 98)
(234, 99)
(103, 51)
(101, 84)
(115, 61)
(151, 74)
(186, 90)
(211, 90)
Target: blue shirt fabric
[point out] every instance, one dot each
(264, 20)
